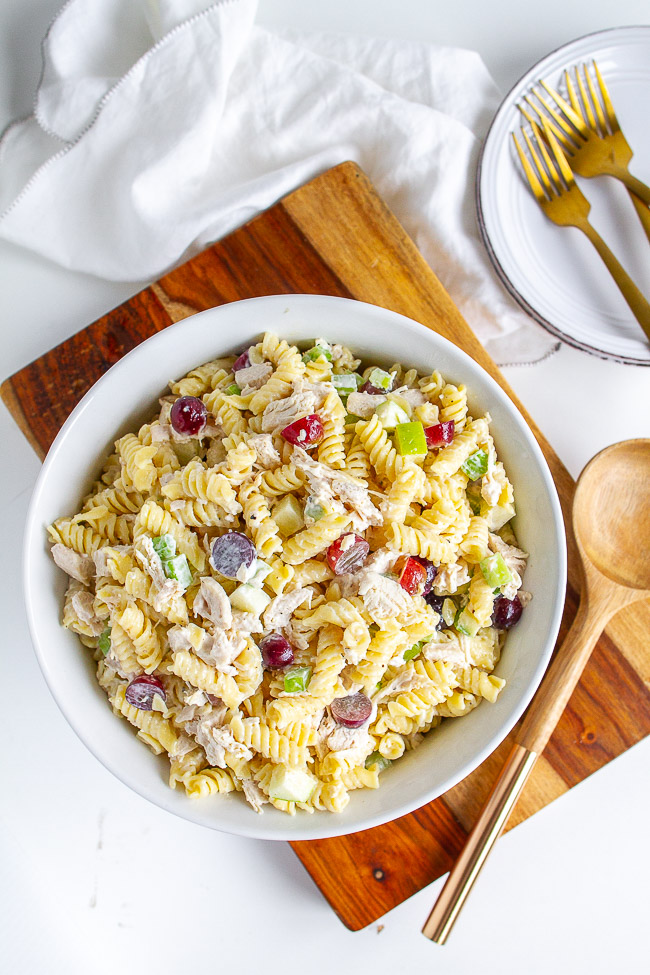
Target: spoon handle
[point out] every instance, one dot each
(563, 674)
(596, 607)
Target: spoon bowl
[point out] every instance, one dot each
(611, 514)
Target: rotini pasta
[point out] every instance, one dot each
(284, 598)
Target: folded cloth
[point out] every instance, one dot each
(161, 125)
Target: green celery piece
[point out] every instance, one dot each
(315, 353)
(474, 498)
(351, 418)
(105, 640)
(410, 439)
(344, 383)
(495, 572)
(313, 509)
(376, 758)
(262, 570)
(466, 622)
(165, 547)
(476, 465)
(297, 679)
(178, 569)
(415, 649)
(412, 651)
(449, 610)
(233, 390)
(380, 379)
(475, 505)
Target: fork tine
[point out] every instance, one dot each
(595, 100)
(607, 101)
(560, 158)
(575, 117)
(531, 175)
(573, 131)
(566, 143)
(586, 104)
(573, 95)
(555, 183)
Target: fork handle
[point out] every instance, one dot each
(633, 184)
(643, 212)
(638, 304)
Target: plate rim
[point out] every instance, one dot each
(496, 263)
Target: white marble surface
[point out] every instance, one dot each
(95, 879)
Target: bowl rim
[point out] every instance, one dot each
(294, 829)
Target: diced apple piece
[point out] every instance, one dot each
(249, 599)
(288, 515)
(291, 784)
(410, 439)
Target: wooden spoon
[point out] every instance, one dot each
(611, 521)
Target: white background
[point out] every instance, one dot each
(95, 879)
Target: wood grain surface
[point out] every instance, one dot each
(336, 236)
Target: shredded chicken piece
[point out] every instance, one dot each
(279, 413)
(364, 404)
(254, 794)
(280, 610)
(414, 397)
(219, 649)
(246, 622)
(252, 377)
(83, 605)
(187, 713)
(382, 560)
(101, 557)
(319, 391)
(449, 653)
(325, 482)
(79, 567)
(296, 637)
(349, 582)
(336, 738)
(408, 680)
(182, 746)
(493, 484)
(211, 602)
(165, 590)
(383, 598)
(450, 578)
(267, 455)
(216, 740)
(114, 670)
(150, 561)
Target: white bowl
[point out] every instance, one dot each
(126, 396)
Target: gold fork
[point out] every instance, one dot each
(556, 191)
(589, 133)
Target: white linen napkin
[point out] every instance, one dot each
(161, 125)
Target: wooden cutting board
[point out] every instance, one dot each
(336, 236)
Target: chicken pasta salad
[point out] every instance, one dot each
(296, 569)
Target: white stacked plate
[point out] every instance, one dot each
(554, 272)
